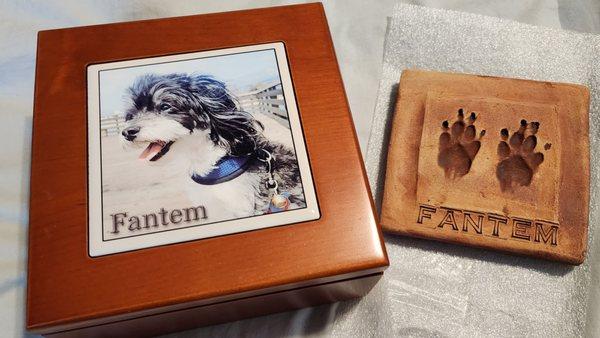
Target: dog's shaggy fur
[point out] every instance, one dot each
(192, 121)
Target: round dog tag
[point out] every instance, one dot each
(279, 202)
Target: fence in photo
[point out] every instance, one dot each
(267, 99)
(111, 125)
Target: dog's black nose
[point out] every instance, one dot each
(130, 132)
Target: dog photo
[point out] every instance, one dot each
(194, 145)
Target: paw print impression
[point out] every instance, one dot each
(459, 145)
(518, 158)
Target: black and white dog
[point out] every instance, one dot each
(194, 124)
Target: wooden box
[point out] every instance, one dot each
(148, 290)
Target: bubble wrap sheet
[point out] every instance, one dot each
(442, 289)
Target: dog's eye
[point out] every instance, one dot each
(164, 106)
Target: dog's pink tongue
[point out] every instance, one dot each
(151, 150)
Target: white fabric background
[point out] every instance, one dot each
(358, 29)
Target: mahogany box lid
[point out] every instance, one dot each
(69, 288)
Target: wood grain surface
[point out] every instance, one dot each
(452, 175)
(191, 317)
(67, 289)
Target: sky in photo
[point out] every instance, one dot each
(240, 72)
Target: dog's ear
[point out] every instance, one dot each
(208, 94)
(238, 131)
(230, 127)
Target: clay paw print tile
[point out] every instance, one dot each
(479, 161)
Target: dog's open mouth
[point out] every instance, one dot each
(155, 150)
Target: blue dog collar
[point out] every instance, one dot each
(226, 169)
